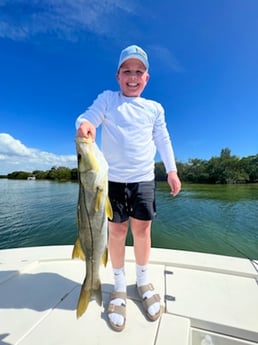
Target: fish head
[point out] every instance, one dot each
(85, 155)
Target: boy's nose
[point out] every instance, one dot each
(133, 75)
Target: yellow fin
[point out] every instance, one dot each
(109, 211)
(83, 302)
(77, 250)
(85, 297)
(98, 199)
(105, 257)
(97, 294)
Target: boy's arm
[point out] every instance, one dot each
(93, 117)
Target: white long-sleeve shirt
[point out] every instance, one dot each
(132, 129)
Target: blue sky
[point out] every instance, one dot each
(57, 55)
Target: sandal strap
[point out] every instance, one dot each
(147, 302)
(118, 309)
(118, 294)
(144, 288)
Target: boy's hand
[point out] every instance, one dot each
(174, 182)
(86, 130)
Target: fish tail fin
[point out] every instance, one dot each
(77, 250)
(83, 301)
(97, 293)
(85, 296)
(105, 257)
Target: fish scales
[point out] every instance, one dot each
(93, 209)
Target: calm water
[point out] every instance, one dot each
(215, 219)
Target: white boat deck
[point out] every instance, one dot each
(208, 300)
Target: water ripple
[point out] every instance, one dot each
(34, 213)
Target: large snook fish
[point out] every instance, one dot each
(92, 212)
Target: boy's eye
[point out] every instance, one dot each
(129, 72)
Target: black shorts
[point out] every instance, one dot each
(135, 200)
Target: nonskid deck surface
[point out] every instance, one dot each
(207, 299)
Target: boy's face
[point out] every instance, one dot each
(132, 77)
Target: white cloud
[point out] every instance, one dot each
(166, 57)
(15, 156)
(21, 19)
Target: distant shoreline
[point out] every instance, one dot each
(224, 169)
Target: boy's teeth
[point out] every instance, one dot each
(132, 84)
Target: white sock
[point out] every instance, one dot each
(119, 278)
(120, 285)
(142, 275)
(142, 279)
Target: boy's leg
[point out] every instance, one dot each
(141, 230)
(116, 244)
(142, 244)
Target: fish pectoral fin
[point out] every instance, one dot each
(77, 250)
(104, 259)
(98, 199)
(109, 211)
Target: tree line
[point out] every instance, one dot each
(224, 169)
(61, 174)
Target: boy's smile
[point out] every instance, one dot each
(132, 77)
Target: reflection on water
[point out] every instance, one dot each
(215, 219)
(208, 218)
(37, 213)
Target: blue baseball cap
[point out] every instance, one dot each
(133, 52)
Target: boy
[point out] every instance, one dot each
(132, 129)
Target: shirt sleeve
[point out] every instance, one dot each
(95, 113)
(163, 142)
